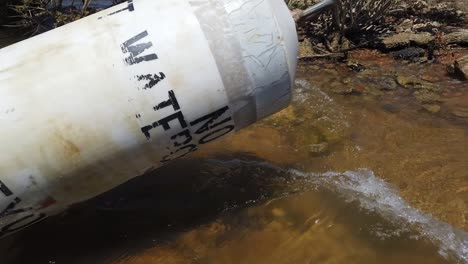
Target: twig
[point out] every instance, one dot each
(339, 55)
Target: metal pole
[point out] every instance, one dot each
(318, 8)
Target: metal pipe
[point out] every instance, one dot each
(318, 8)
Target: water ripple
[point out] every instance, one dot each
(375, 195)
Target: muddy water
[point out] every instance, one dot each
(369, 164)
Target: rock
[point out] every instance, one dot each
(306, 136)
(421, 39)
(431, 108)
(388, 84)
(429, 27)
(408, 53)
(457, 37)
(313, 68)
(356, 67)
(391, 108)
(461, 67)
(406, 39)
(347, 86)
(305, 48)
(451, 69)
(297, 14)
(406, 25)
(340, 88)
(427, 97)
(411, 82)
(418, 27)
(435, 24)
(332, 129)
(444, 11)
(404, 80)
(278, 212)
(430, 78)
(347, 80)
(331, 72)
(318, 148)
(460, 112)
(335, 42)
(359, 89)
(420, 60)
(458, 105)
(420, 4)
(346, 44)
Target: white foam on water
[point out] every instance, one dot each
(303, 85)
(375, 195)
(322, 111)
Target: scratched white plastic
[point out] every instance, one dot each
(90, 105)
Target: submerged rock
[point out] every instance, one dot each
(278, 212)
(342, 88)
(458, 106)
(355, 67)
(406, 39)
(431, 108)
(409, 53)
(387, 84)
(405, 81)
(427, 97)
(348, 86)
(319, 148)
(461, 67)
(305, 48)
(411, 82)
(460, 112)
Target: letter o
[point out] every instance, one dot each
(207, 138)
(191, 148)
(8, 228)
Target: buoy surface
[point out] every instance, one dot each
(88, 106)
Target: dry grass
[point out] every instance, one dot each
(360, 15)
(33, 17)
(350, 24)
(37, 16)
(300, 4)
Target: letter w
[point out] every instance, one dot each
(135, 50)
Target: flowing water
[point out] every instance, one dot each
(358, 170)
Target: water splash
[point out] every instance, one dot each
(375, 195)
(303, 85)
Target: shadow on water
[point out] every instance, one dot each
(147, 209)
(235, 209)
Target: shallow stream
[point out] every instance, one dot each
(358, 170)
(369, 164)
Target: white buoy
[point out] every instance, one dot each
(92, 104)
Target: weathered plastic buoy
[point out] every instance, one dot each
(88, 106)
